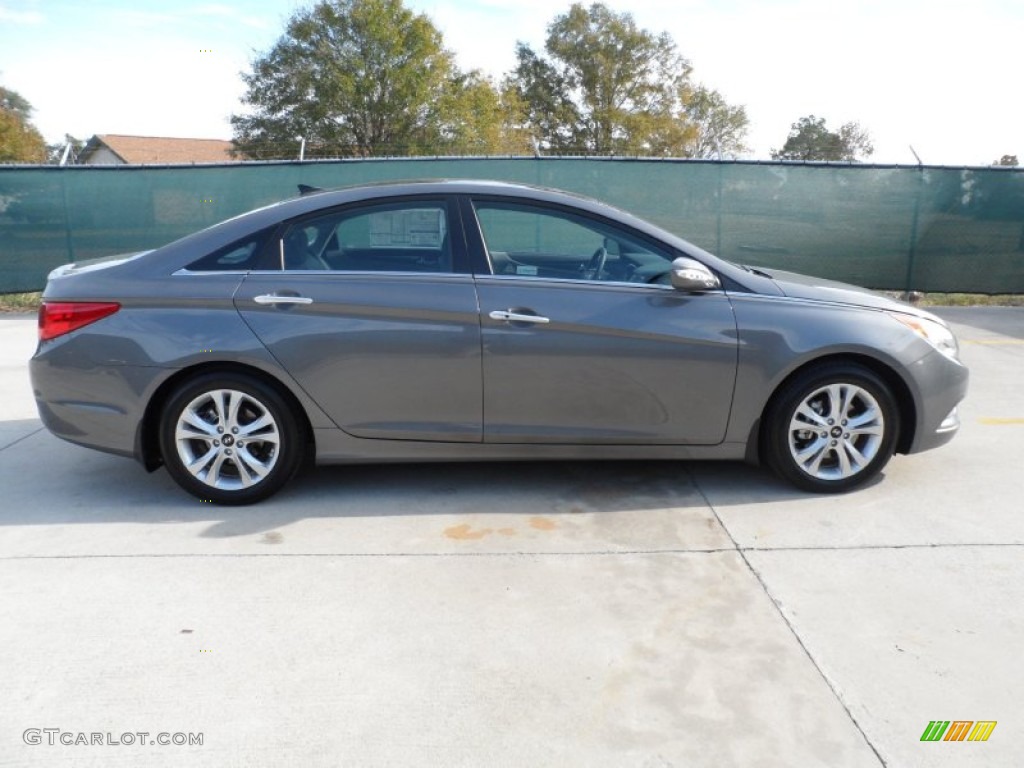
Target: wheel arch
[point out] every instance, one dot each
(147, 438)
(905, 402)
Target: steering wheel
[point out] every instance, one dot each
(596, 264)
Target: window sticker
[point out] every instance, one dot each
(412, 228)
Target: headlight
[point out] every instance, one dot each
(936, 334)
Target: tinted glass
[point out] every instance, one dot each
(242, 254)
(537, 241)
(393, 237)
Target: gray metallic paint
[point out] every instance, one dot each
(386, 355)
(776, 340)
(618, 363)
(676, 371)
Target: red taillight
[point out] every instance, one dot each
(59, 317)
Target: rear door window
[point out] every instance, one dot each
(406, 236)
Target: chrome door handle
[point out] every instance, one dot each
(517, 317)
(269, 298)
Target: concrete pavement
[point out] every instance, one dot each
(655, 614)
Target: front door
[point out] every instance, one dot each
(583, 344)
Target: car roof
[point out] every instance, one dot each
(375, 189)
(181, 252)
(315, 201)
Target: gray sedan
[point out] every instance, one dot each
(462, 320)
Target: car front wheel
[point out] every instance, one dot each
(229, 438)
(832, 428)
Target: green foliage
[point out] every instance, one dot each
(971, 300)
(354, 78)
(605, 86)
(810, 139)
(12, 101)
(720, 129)
(20, 302)
(475, 118)
(369, 77)
(1009, 161)
(20, 142)
(545, 94)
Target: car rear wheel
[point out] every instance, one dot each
(230, 438)
(832, 428)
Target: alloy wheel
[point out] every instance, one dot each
(227, 439)
(836, 431)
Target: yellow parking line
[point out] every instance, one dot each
(993, 421)
(993, 342)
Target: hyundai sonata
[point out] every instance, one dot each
(466, 320)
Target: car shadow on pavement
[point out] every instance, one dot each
(494, 488)
(46, 481)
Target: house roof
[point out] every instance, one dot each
(139, 150)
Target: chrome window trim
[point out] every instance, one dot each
(555, 281)
(359, 273)
(186, 272)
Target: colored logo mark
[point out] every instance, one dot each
(958, 730)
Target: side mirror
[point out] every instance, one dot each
(691, 276)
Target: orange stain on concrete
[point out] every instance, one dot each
(465, 532)
(543, 524)
(507, 531)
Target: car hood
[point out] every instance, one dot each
(799, 286)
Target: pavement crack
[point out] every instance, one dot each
(742, 553)
(23, 437)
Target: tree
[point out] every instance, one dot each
(544, 92)
(352, 77)
(20, 142)
(478, 119)
(1007, 161)
(810, 139)
(720, 129)
(604, 86)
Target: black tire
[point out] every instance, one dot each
(239, 434)
(825, 457)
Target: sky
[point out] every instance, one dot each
(942, 76)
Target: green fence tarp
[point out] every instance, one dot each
(885, 227)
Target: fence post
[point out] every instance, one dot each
(718, 234)
(912, 250)
(67, 214)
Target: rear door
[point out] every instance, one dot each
(582, 344)
(372, 310)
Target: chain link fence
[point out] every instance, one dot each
(885, 227)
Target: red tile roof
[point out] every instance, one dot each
(139, 150)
